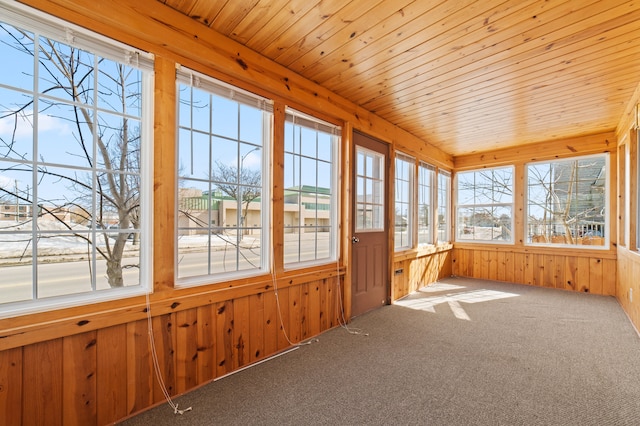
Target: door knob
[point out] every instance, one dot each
(355, 240)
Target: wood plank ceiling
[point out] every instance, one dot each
(467, 76)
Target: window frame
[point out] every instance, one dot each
(623, 175)
(634, 179)
(312, 123)
(378, 203)
(606, 225)
(73, 36)
(491, 205)
(443, 209)
(430, 216)
(409, 186)
(214, 87)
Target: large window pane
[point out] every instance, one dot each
(567, 202)
(444, 203)
(485, 205)
(404, 201)
(310, 207)
(73, 175)
(223, 192)
(426, 174)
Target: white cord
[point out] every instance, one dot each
(341, 320)
(156, 363)
(274, 282)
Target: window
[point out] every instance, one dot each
(405, 171)
(370, 189)
(426, 175)
(444, 200)
(75, 132)
(634, 206)
(567, 201)
(224, 138)
(310, 185)
(484, 205)
(622, 194)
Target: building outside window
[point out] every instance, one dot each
(426, 175)
(405, 176)
(311, 189)
(223, 189)
(567, 202)
(75, 139)
(484, 205)
(444, 202)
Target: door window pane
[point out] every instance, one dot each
(369, 190)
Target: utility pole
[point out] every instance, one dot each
(15, 181)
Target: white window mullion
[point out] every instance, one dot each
(34, 172)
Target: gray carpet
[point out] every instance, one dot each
(460, 352)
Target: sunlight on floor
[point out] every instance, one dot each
(420, 301)
(438, 287)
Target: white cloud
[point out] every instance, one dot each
(6, 182)
(24, 125)
(47, 123)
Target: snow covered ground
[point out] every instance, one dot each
(56, 243)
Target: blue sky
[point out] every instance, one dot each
(58, 135)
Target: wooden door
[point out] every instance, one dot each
(370, 254)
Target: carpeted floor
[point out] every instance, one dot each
(459, 352)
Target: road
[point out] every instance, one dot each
(65, 278)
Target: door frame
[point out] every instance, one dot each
(349, 213)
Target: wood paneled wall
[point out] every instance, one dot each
(585, 270)
(577, 271)
(628, 288)
(417, 269)
(103, 375)
(628, 285)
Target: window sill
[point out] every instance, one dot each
(422, 251)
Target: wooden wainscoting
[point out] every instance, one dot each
(588, 271)
(414, 270)
(628, 288)
(103, 375)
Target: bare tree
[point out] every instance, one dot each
(566, 199)
(488, 195)
(241, 184)
(77, 81)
